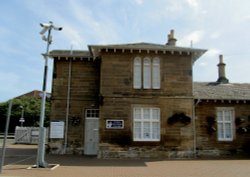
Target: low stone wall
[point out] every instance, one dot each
(216, 153)
(57, 147)
(107, 151)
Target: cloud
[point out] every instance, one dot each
(211, 53)
(246, 18)
(139, 2)
(194, 37)
(72, 34)
(98, 26)
(203, 64)
(215, 35)
(193, 3)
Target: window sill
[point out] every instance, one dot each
(146, 140)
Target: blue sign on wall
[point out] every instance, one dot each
(114, 124)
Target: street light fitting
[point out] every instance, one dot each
(47, 27)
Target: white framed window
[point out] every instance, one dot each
(225, 126)
(146, 124)
(146, 73)
(156, 81)
(137, 73)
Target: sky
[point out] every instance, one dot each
(220, 26)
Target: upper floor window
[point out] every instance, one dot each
(225, 119)
(147, 73)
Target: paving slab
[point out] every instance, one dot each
(81, 166)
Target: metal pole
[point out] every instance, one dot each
(5, 135)
(67, 109)
(42, 131)
(22, 118)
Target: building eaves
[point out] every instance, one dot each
(70, 54)
(96, 49)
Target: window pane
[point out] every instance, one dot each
(146, 113)
(146, 130)
(137, 72)
(146, 73)
(228, 131)
(219, 116)
(137, 113)
(156, 130)
(220, 131)
(156, 114)
(137, 130)
(156, 73)
(92, 113)
(227, 115)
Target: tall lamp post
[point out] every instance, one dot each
(22, 120)
(47, 27)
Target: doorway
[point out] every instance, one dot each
(91, 137)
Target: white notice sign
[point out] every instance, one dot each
(57, 129)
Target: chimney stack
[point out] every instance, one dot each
(221, 69)
(171, 39)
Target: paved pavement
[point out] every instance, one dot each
(20, 157)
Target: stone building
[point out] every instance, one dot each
(134, 101)
(222, 111)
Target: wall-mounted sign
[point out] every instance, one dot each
(114, 124)
(57, 129)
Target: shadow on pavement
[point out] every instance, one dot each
(27, 154)
(73, 160)
(18, 154)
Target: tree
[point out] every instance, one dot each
(31, 107)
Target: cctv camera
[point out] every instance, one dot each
(57, 28)
(44, 30)
(46, 25)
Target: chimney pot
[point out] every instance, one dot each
(171, 38)
(222, 74)
(221, 58)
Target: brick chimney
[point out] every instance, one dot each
(221, 69)
(171, 39)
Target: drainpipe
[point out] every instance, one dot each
(194, 130)
(193, 112)
(194, 123)
(67, 108)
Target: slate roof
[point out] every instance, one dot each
(215, 91)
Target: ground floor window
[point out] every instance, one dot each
(225, 119)
(146, 121)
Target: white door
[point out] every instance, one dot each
(91, 140)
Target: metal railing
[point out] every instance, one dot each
(27, 135)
